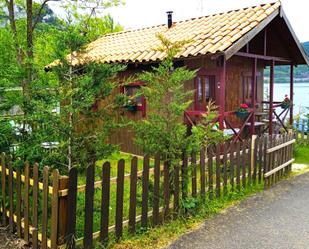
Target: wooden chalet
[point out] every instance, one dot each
(230, 51)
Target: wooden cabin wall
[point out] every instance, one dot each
(124, 137)
(235, 69)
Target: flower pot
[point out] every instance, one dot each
(131, 108)
(241, 115)
(285, 106)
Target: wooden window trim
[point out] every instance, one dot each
(203, 72)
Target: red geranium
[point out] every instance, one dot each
(244, 106)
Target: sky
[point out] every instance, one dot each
(145, 13)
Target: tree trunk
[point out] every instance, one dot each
(19, 53)
(29, 65)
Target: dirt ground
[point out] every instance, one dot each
(8, 241)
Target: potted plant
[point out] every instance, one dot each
(126, 102)
(242, 112)
(131, 104)
(286, 103)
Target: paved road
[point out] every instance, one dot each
(274, 219)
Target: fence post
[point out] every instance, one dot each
(254, 137)
(62, 210)
(3, 185)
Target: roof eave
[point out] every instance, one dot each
(233, 49)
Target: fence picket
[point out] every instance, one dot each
(184, 176)
(105, 200)
(133, 187)
(145, 183)
(255, 159)
(176, 190)
(193, 174)
(89, 194)
(232, 165)
(10, 185)
(156, 191)
(248, 157)
(280, 157)
(210, 172)
(266, 160)
(45, 208)
(202, 172)
(244, 161)
(238, 165)
(26, 204)
(225, 148)
(35, 193)
(3, 188)
(72, 198)
(218, 171)
(54, 214)
(166, 186)
(119, 199)
(18, 202)
(261, 159)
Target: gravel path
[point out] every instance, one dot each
(274, 219)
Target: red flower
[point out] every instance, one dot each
(244, 106)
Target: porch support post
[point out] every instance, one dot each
(271, 96)
(265, 41)
(222, 92)
(253, 95)
(291, 93)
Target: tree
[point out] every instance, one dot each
(163, 131)
(40, 126)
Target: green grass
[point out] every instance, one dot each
(163, 235)
(301, 154)
(113, 159)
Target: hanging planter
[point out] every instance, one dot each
(241, 115)
(131, 105)
(131, 108)
(242, 111)
(286, 103)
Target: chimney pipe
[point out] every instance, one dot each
(169, 19)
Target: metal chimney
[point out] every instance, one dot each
(169, 18)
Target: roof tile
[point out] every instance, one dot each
(208, 34)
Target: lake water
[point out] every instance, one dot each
(301, 95)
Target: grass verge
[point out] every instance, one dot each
(161, 236)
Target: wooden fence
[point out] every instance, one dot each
(131, 196)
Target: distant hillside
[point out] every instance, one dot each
(301, 73)
(306, 46)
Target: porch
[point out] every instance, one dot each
(264, 114)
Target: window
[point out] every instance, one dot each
(247, 89)
(131, 90)
(205, 90)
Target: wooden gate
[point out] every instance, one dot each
(278, 157)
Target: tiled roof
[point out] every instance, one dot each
(209, 34)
